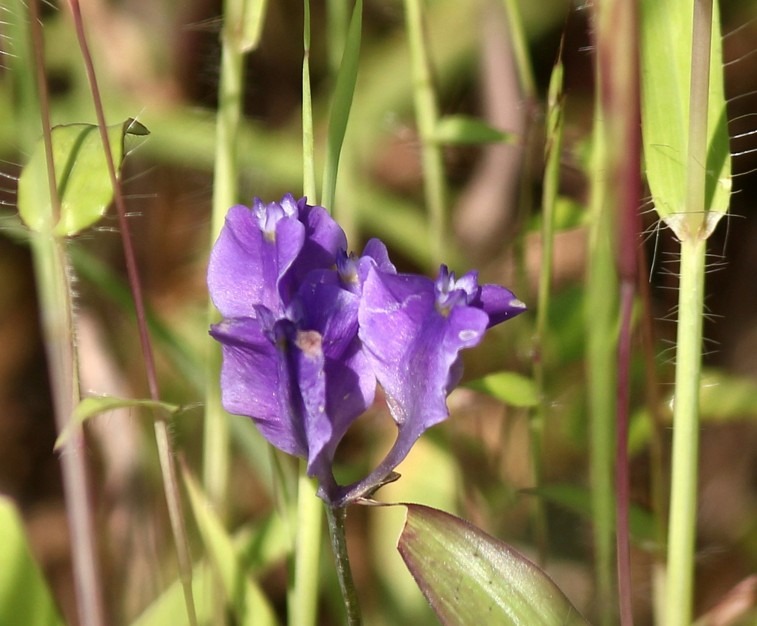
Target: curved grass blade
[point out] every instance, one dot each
(94, 405)
(341, 104)
(243, 596)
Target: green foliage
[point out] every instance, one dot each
(578, 500)
(24, 594)
(666, 52)
(469, 577)
(83, 182)
(465, 130)
(508, 387)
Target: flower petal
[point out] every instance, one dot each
(256, 382)
(499, 303)
(246, 262)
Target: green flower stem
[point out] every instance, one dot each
(225, 182)
(683, 502)
(427, 115)
(215, 474)
(56, 307)
(336, 518)
(303, 601)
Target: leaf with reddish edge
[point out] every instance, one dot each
(469, 577)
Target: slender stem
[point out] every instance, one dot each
(170, 485)
(601, 323)
(622, 479)
(175, 514)
(303, 606)
(519, 45)
(56, 305)
(552, 153)
(683, 499)
(308, 148)
(225, 183)
(619, 85)
(657, 481)
(427, 115)
(336, 517)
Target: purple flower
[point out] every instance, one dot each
(308, 332)
(413, 330)
(292, 359)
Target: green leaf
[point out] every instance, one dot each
(252, 25)
(83, 181)
(24, 595)
(578, 499)
(508, 387)
(94, 405)
(342, 103)
(248, 602)
(466, 130)
(469, 577)
(666, 45)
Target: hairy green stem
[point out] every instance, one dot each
(683, 497)
(336, 518)
(165, 451)
(426, 114)
(683, 492)
(56, 311)
(56, 306)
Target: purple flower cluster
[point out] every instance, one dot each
(308, 332)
